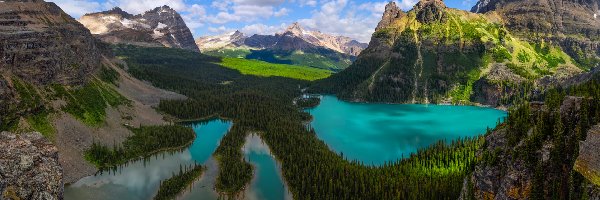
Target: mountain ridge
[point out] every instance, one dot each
(161, 26)
(340, 44)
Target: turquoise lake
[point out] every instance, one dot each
(141, 179)
(379, 133)
(267, 183)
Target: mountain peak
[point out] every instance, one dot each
(115, 11)
(392, 11)
(295, 29)
(430, 11)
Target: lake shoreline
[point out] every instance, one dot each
(279, 170)
(502, 107)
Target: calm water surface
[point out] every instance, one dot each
(140, 180)
(377, 133)
(267, 183)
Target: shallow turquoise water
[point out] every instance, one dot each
(140, 180)
(378, 133)
(267, 183)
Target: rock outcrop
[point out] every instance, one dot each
(161, 26)
(391, 13)
(29, 167)
(42, 44)
(588, 162)
(573, 24)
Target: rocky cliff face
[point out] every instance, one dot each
(161, 26)
(442, 55)
(573, 24)
(588, 161)
(29, 167)
(41, 44)
(533, 157)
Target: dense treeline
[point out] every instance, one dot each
(170, 188)
(309, 102)
(265, 105)
(145, 141)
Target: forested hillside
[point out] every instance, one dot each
(264, 105)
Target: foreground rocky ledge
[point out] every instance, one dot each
(29, 167)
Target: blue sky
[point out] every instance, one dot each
(353, 18)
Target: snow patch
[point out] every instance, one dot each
(132, 24)
(161, 25)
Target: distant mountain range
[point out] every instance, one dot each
(161, 26)
(294, 45)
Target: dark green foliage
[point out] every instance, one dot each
(520, 70)
(41, 122)
(109, 75)
(310, 102)
(144, 142)
(235, 172)
(501, 54)
(170, 188)
(264, 106)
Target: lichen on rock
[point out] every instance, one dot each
(29, 167)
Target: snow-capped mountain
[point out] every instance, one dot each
(161, 26)
(340, 44)
(293, 38)
(228, 40)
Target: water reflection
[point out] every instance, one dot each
(141, 179)
(267, 183)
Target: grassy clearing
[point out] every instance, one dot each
(265, 69)
(88, 103)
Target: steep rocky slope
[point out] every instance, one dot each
(42, 45)
(57, 79)
(29, 167)
(161, 26)
(540, 153)
(294, 45)
(441, 55)
(573, 24)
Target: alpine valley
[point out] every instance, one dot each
(499, 102)
(294, 45)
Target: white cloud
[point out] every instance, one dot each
(220, 29)
(261, 29)
(406, 4)
(78, 8)
(259, 2)
(311, 3)
(281, 12)
(245, 10)
(221, 4)
(194, 16)
(340, 17)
